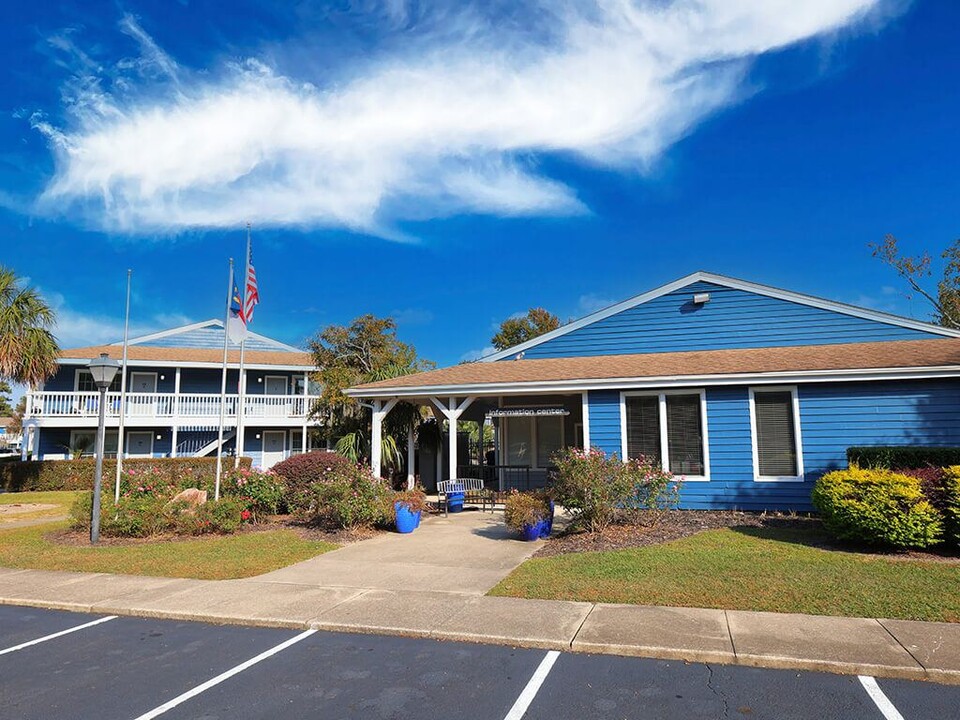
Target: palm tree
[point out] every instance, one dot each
(28, 349)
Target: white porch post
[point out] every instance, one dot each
(411, 449)
(452, 411)
(585, 420)
(380, 410)
(36, 442)
(306, 413)
(176, 413)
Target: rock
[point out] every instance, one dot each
(191, 496)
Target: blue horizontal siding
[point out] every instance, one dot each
(731, 319)
(833, 416)
(210, 337)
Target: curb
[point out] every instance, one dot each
(944, 677)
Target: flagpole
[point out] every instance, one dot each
(223, 380)
(241, 429)
(123, 392)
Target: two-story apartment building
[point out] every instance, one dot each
(172, 402)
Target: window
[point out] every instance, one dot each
(667, 427)
(85, 442)
(85, 382)
(774, 415)
(532, 441)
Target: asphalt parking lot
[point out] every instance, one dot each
(68, 665)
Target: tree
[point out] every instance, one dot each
(6, 408)
(16, 427)
(28, 349)
(516, 330)
(364, 351)
(945, 300)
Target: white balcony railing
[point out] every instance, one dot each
(166, 405)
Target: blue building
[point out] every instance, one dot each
(746, 391)
(172, 403)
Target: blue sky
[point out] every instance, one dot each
(451, 164)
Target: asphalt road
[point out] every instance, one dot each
(142, 668)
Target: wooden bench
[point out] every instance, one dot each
(473, 491)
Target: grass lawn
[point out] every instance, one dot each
(220, 557)
(775, 569)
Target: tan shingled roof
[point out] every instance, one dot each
(847, 356)
(202, 355)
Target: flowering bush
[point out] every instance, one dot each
(259, 493)
(350, 498)
(414, 500)
(144, 515)
(301, 472)
(594, 487)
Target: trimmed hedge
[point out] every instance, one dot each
(301, 472)
(898, 457)
(877, 507)
(78, 474)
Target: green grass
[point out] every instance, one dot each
(63, 499)
(770, 569)
(220, 557)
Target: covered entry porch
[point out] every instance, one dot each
(528, 430)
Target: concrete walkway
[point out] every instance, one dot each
(431, 584)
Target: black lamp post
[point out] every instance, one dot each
(103, 370)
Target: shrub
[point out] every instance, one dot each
(525, 509)
(897, 457)
(184, 472)
(221, 516)
(351, 497)
(951, 509)
(259, 493)
(300, 472)
(146, 515)
(595, 487)
(877, 507)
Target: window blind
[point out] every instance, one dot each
(776, 435)
(643, 427)
(684, 434)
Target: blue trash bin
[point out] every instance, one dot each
(455, 502)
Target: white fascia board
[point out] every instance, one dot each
(177, 363)
(724, 281)
(664, 381)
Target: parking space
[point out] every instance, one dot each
(142, 668)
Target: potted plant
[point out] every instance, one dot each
(407, 507)
(530, 514)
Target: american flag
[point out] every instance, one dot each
(251, 293)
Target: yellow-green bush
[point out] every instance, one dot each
(878, 507)
(951, 506)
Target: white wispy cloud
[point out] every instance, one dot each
(473, 355)
(451, 121)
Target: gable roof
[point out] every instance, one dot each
(208, 334)
(729, 282)
(899, 358)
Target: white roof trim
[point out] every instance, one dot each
(196, 364)
(736, 284)
(662, 381)
(198, 326)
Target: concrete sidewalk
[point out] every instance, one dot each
(886, 648)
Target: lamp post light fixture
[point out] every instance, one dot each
(103, 370)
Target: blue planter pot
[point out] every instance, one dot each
(531, 532)
(407, 521)
(546, 526)
(455, 502)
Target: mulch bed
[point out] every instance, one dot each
(654, 529)
(277, 522)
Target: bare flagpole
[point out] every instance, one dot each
(123, 392)
(241, 430)
(223, 380)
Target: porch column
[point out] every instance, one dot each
(452, 412)
(585, 420)
(411, 449)
(36, 442)
(24, 438)
(176, 413)
(380, 410)
(306, 414)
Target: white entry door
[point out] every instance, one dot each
(274, 444)
(139, 444)
(143, 384)
(276, 406)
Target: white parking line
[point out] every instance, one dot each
(156, 712)
(879, 698)
(21, 646)
(533, 687)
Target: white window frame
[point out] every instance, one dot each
(664, 444)
(93, 447)
(534, 439)
(76, 379)
(797, 437)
